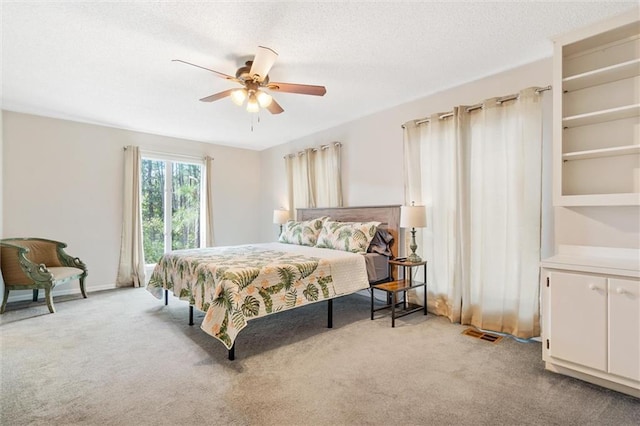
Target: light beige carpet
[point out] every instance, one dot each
(121, 357)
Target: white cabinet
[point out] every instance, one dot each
(591, 320)
(597, 114)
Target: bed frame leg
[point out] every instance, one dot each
(166, 297)
(330, 314)
(190, 314)
(232, 352)
(371, 291)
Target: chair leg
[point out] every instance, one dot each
(35, 294)
(4, 300)
(49, 299)
(84, 292)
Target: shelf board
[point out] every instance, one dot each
(620, 199)
(602, 75)
(603, 152)
(594, 117)
(600, 39)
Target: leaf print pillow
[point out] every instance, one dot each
(347, 236)
(302, 233)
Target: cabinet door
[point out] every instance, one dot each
(624, 328)
(578, 319)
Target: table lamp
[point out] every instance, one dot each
(413, 217)
(280, 217)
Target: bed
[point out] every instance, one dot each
(236, 284)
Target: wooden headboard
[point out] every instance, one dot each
(388, 216)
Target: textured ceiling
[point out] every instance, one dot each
(110, 63)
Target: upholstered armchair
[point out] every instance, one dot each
(35, 263)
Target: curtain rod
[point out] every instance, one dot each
(312, 149)
(170, 154)
(479, 106)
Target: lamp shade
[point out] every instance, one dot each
(252, 104)
(413, 217)
(238, 96)
(280, 216)
(264, 99)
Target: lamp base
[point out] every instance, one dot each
(413, 257)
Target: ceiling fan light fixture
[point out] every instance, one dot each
(264, 99)
(238, 96)
(254, 76)
(252, 104)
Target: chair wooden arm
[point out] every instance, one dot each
(65, 258)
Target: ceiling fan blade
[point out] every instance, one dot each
(274, 107)
(219, 74)
(262, 63)
(217, 96)
(303, 89)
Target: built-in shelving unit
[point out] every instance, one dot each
(590, 311)
(597, 115)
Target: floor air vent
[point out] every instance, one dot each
(493, 338)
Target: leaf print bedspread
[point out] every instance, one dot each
(236, 284)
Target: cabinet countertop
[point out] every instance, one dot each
(599, 260)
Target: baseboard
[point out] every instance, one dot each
(619, 387)
(21, 295)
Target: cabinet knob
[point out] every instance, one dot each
(620, 290)
(592, 286)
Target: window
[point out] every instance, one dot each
(171, 206)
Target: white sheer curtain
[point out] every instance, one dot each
(298, 179)
(479, 174)
(433, 173)
(131, 265)
(208, 202)
(314, 177)
(505, 203)
(327, 176)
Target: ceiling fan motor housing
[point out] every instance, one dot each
(244, 74)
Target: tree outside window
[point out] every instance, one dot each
(171, 206)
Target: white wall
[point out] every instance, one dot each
(598, 226)
(372, 145)
(63, 181)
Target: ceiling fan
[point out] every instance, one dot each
(254, 77)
